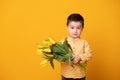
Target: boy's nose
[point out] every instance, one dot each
(75, 30)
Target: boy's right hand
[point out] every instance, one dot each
(76, 59)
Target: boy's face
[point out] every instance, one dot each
(74, 28)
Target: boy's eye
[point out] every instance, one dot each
(72, 27)
(78, 27)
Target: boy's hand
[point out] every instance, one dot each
(76, 58)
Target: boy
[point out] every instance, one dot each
(81, 49)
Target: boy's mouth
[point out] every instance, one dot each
(74, 34)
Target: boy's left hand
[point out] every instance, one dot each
(76, 59)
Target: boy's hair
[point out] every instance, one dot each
(75, 17)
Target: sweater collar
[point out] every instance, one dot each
(73, 39)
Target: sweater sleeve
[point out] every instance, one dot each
(86, 52)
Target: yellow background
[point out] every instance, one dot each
(24, 23)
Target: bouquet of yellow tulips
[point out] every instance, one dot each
(59, 51)
(56, 50)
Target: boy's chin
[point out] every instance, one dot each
(75, 36)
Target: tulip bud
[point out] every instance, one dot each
(52, 40)
(39, 46)
(44, 62)
(47, 50)
(48, 43)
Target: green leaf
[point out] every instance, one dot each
(51, 63)
(69, 58)
(58, 48)
(60, 57)
(69, 61)
(48, 57)
(82, 65)
(65, 44)
(68, 45)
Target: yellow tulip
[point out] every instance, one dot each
(39, 46)
(45, 42)
(44, 62)
(48, 43)
(52, 40)
(39, 52)
(47, 50)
